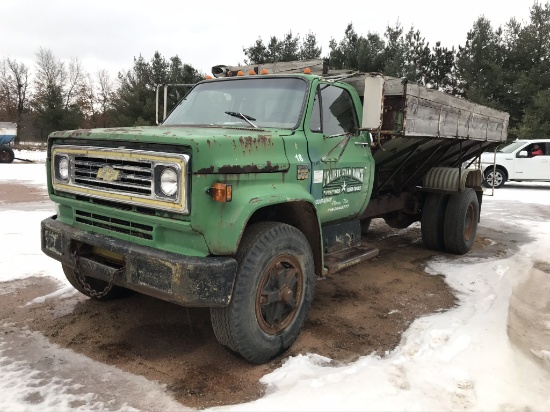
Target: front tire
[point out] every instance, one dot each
(96, 285)
(498, 174)
(272, 293)
(461, 219)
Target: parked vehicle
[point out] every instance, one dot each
(517, 161)
(8, 131)
(257, 184)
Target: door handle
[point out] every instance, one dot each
(364, 144)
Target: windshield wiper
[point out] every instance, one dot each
(245, 117)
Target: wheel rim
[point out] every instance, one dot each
(4, 156)
(279, 294)
(497, 177)
(469, 222)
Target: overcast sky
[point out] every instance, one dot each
(108, 34)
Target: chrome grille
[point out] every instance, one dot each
(135, 177)
(120, 175)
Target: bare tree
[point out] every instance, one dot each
(75, 81)
(14, 83)
(105, 89)
(50, 71)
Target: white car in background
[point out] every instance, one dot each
(515, 162)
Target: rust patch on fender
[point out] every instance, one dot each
(236, 169)
(232, 169)
(206, 170)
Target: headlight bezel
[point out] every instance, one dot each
(58, 158)
(159, 170)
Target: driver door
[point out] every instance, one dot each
(341, 160)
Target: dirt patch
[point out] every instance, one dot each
(20, 193)
(360, 311)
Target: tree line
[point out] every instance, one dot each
(507, 68)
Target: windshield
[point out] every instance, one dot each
(264, 102)
(510, 147)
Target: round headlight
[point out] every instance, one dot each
(169, 182)
(64, 168)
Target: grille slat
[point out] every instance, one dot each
(127, 185)
(114, 224)
(97, 165)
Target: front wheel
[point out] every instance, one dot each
(272, 293)
(498, 175)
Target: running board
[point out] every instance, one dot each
(335, 262)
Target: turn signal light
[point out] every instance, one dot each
(240, 73)
(221, 192)
(252, 72)
(208, 77)
(307, 70)
(264, 71)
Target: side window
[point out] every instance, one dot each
(338, 114)
(315, 122)
(536, 149)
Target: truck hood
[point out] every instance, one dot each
(212, 149)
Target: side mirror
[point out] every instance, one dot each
(523, 153)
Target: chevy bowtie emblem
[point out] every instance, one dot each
(108, 174)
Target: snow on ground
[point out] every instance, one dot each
(458, 360)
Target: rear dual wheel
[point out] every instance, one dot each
(449, 222)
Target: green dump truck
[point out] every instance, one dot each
(257, 184)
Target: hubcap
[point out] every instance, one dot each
(497, 176)
(279, 294)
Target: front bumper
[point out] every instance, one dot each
(185, 280)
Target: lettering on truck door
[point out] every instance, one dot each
(338, 154)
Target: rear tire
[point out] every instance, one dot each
(433, 218)
(461, 219)
(97, 285)
(6, 155)
(499, 176)
(272, 293)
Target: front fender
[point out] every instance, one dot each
(224, 223)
